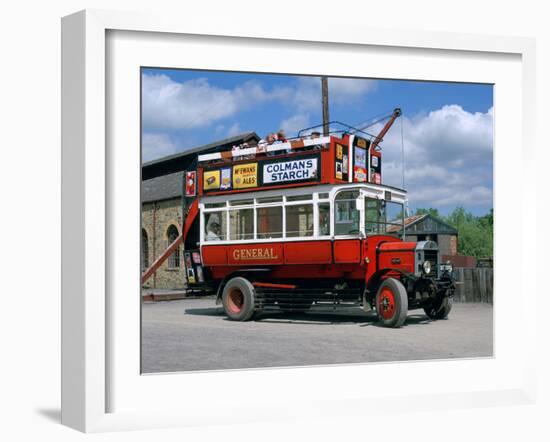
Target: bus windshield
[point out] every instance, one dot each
(383, 217)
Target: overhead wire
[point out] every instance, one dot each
(403, 161)
(375, 119)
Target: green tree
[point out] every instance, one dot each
(431, 211)
(475, 233)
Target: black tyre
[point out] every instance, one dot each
(392, 303)
(238, 299)
(439, 310)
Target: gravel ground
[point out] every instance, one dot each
(194, 334)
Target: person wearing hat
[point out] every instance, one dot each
(281, 136)
(315, 135)
(213, 232)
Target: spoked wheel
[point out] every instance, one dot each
(392, 303)
(439, 309)
(238, 299)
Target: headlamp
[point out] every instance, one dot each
(427, 266)
(447, 267)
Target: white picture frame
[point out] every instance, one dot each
(91, 363)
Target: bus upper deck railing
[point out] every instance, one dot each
(273, 149)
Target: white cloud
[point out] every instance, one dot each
(348, 90)
(293, 124)
(448, 157)
(306, 96)
(168, 104)
(156, 146)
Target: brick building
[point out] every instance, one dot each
(161, 209)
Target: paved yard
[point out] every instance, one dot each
(194, 334)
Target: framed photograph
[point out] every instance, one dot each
(168, 196)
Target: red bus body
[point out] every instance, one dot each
(305, 223)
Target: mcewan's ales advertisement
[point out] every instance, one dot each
(245, 175)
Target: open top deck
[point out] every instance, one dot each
(297, 163)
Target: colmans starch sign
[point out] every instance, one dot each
(289, 171)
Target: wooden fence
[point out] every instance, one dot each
(476, 285)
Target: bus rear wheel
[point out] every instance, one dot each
(392, 303)
(238, 299)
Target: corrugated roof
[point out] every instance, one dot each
(413, 219)
(429, 224)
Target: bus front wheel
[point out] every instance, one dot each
(392, 303)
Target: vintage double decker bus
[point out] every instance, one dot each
(308, 223)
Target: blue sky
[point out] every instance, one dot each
(447, 127)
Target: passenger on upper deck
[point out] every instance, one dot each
(247, 157)
(235, 149)
(261, 146)
(281, 136)
(271, 139)
(314, 135)
(277, 138)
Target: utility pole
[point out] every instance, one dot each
(324, 93)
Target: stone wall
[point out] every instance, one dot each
(156, 218)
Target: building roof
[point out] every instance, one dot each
(412, 219)
(184, 160)
(427, 225)
(162, 187)
(162, 179)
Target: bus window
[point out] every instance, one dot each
(241, 202)
(270, 222)
(324, 219)
(394, 217)
(374, 216)
(346, 215)
(269, 199)
(383, 217)
(241, 224)
(299, 197)
(215, 226)
(299, 220)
